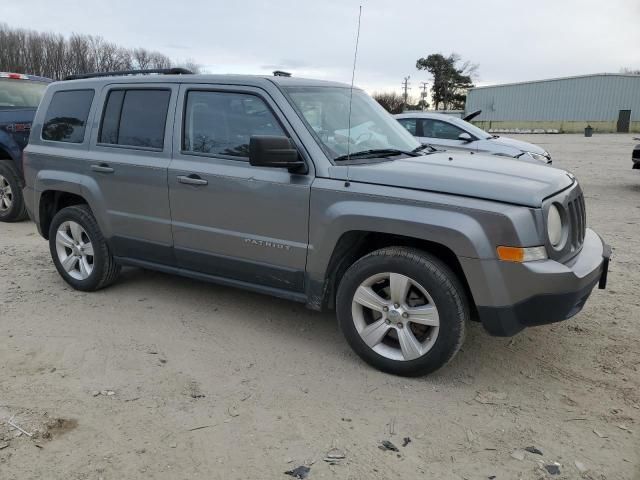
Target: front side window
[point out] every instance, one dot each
(410, 124)
(66, 117)
(135, 118)
(349, 122)
(440, 129)
(221, 123)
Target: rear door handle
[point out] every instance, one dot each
(192, 180)
(102, 168)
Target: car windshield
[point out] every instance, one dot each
(20, 93)
(471, 128)
(326, 111)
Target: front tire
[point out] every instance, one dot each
(12, 207)
(79, 251)
(402, 311)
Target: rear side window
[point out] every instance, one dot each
(135, 118)
(222, 123)
(66, 117)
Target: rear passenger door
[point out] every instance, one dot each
(128, 160)
(231, 219)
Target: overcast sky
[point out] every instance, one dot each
(510, 40)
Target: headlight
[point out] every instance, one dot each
(541, 157)
(554, 226)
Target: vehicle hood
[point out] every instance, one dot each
(519, 144)
(488, 177)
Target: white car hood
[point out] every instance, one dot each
(519, 144)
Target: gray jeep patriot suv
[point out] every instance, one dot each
(309, 191)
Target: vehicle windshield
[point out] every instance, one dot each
(326, 111)
(471, 128)
(20, 93)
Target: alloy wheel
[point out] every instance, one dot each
(395, 316)
(6, 195)
(75, 250)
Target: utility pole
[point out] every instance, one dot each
(406, 88)
(423, 85)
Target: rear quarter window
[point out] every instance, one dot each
(66, 117)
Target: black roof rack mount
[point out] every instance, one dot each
(161, 71)
(281, 73)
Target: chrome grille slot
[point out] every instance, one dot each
(573, 224)
(577, 222)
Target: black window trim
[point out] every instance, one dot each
(125, 88)
(219, 90)
(84, 137)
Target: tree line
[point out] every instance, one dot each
(54, 56)
(451, 78)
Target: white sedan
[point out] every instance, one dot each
(449, 132)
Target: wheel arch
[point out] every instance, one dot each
(51, 202)
(355, 244)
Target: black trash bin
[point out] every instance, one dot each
(588, 131)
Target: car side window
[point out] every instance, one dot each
(66, 117)
(135, 118)
(445, 130)
(221, 123)
(410, 124)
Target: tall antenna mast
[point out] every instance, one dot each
(353, 76)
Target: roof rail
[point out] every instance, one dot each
(162, 71)
(281, 73)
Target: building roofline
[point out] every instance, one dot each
(528, 82)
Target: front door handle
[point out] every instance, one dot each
(102, 168)
(192, 180)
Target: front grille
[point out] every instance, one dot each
(577, 222)
(571, 201)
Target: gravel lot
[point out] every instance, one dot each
(202, 381)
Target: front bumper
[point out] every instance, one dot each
(541, 292)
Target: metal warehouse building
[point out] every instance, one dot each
(608, 102)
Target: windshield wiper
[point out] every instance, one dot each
(376, 152)
(424, 146)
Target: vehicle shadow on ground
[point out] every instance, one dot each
(318, 332)
(633, 187)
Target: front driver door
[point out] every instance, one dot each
(230, 219)
(444, 134)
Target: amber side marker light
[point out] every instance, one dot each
(521, 254)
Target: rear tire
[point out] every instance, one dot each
(402, 311)
(79, 251)
(12, 207)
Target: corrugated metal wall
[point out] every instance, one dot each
(593, 97)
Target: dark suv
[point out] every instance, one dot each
(19, 98)
(309, 191)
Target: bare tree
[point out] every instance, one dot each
(630, 71)
(191, 65)
(52, 55)
(392, 102)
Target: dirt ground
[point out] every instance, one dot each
(167, 378)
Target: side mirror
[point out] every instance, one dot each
(274, 151)
(465, 137)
